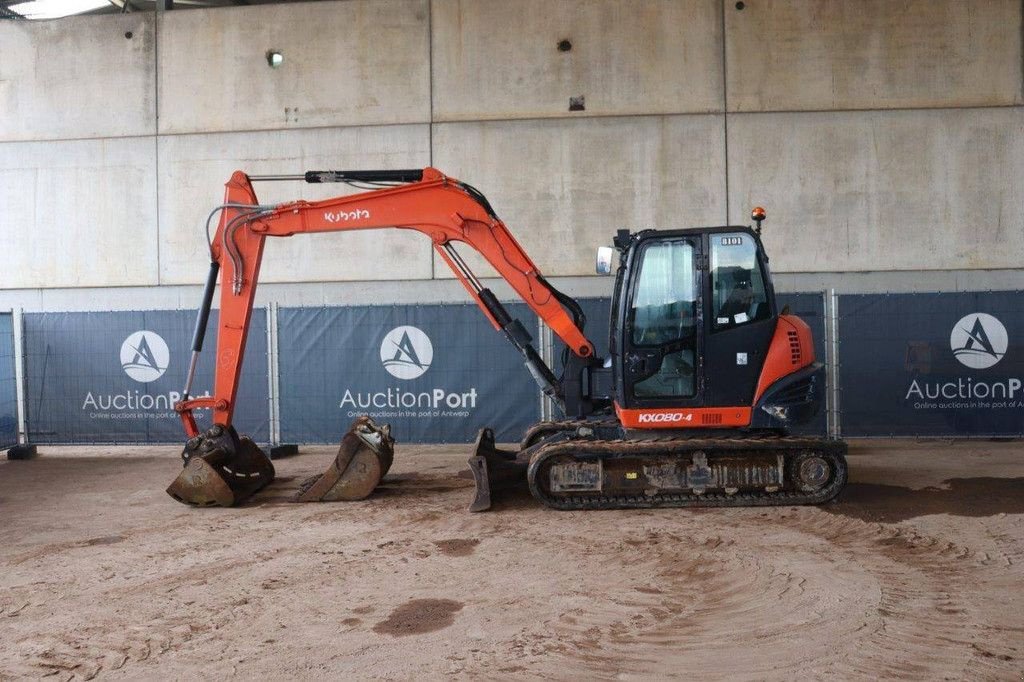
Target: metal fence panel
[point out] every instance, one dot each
(939, 364)
(436, 373)
(942, 364)
(113, 377)
(8, 387)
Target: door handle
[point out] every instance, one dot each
(637, 364)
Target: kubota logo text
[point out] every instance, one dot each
(406, 352)
(978, 340)
(144, 356)
(344, 216)
(661, 418)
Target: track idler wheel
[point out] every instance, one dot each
(365, 456)
(221, 468)
(812, 471)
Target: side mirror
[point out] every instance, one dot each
(604, 260)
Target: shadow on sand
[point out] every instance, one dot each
(973, 497)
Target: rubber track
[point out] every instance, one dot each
(587, 450)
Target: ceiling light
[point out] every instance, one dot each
(54, 9)
(274, 58)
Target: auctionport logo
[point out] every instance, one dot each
(406, 352)
(144, 356)
(978, 340)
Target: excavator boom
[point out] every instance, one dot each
(444, 209)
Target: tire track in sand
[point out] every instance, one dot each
(814, 594)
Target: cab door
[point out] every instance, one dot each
(741, 316)
(660, 349)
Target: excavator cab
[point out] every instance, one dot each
(693, 317)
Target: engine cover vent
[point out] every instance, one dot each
(794, 347)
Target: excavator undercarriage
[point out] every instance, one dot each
(581, 465)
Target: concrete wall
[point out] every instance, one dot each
(78, 213)
(364, 62)
(883, 190)
(197, 165)
(565, 186)
(807, 55)
(883, 137)
(495, 59)
(87, 77)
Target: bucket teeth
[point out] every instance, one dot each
(365, 456)
(221, 469)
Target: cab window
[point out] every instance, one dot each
(666, 294)
(664, 311)
(738, 291)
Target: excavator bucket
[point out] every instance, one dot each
(364, 457)
(493, 470)
(221, 468)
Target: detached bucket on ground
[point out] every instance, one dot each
(365, 456)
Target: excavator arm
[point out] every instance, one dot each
(443, 208)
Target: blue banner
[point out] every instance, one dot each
(942, 364)
(114, 377)
(436, 373)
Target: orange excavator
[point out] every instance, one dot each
(693, 407)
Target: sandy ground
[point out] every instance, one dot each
(916, 572)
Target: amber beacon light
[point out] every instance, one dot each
(758, 215)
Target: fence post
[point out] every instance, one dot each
(23, 450)
(277, 448)
(835, 422)
(273, 383)
(546, 353)
(826, 302)
(19, 373)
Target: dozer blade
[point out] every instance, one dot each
(493, 470)
(364, 457)
(221, 469)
